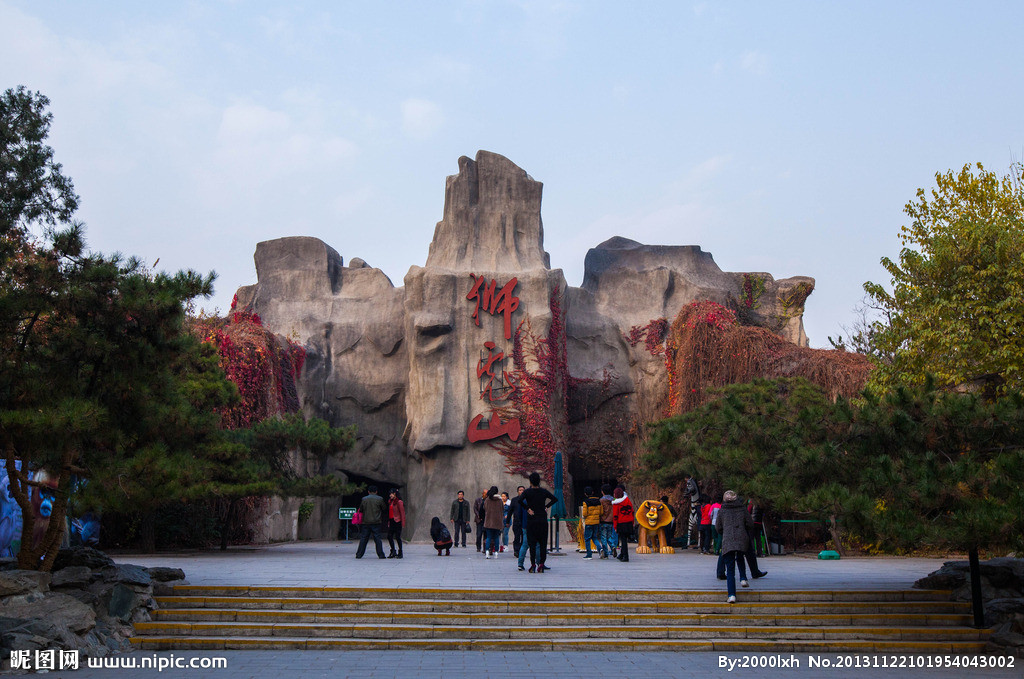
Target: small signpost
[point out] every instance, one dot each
(345, 514)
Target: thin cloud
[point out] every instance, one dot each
(421, 118)
(754, 62)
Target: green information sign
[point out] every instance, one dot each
(345, 513)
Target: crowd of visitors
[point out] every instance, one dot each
(730, 529)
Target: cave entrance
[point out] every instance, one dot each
(353, 499)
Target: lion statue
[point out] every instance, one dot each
(653, 517)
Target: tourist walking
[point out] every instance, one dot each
(441, 537)
(478, 518)
(734, 524)
(459, 516)
(591, 521)
(537, 501)
(622, 517)
(607, 525)
(396, 519)
(494, 519)
(374, 512)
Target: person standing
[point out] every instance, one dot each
(607, 525)
(591, 521)
(494, 518)
(459, 516)
(478, 518)
(374, 511)
(734, 524)
(623, 520)
(504, 521)
(396, 519)
(515, 518)
(537, 501)
(705, 525)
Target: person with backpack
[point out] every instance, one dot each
(622, 517)
(441, 537)
(591, 520)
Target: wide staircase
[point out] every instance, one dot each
(219, 617)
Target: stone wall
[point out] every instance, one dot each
(402, 363)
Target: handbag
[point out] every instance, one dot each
(357, 518)
(469, 529)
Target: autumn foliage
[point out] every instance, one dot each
(262, 365)
(706, 348)
(540, 376)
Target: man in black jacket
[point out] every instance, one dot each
(459, 516)
(514, 518)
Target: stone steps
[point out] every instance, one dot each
(503, 631)
(291, 593)
(475, 619)
(479, 619)
(466, 606)
(561, 645)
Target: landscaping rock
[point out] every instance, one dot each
(72, 576)
(82, 556)
(54, 607)
(92, 612)
(167, 588)
(128, 574)
(22, 582)
(1002, 591)
(122, 600)
(164, 574)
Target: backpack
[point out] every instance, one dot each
(444, 535)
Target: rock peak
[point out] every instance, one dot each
(491, 219)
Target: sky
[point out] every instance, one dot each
(782, 137)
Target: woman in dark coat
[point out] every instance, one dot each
(494, 519)
(734, 523)
(441, 537)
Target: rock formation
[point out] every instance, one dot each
(419, 368)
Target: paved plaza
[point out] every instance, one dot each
(333, 564)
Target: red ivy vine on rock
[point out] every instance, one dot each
(262, 365)
(540, 375)
(706, 348)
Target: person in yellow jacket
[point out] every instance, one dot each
(591, 521)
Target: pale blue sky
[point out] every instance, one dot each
(782, 137)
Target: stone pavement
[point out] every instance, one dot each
(333, 564)
(482, 665)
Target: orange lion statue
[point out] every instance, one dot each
(653, 517)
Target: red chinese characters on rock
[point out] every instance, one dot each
(495, 428)
(494, 300)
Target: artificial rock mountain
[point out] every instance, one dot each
(402, 363)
